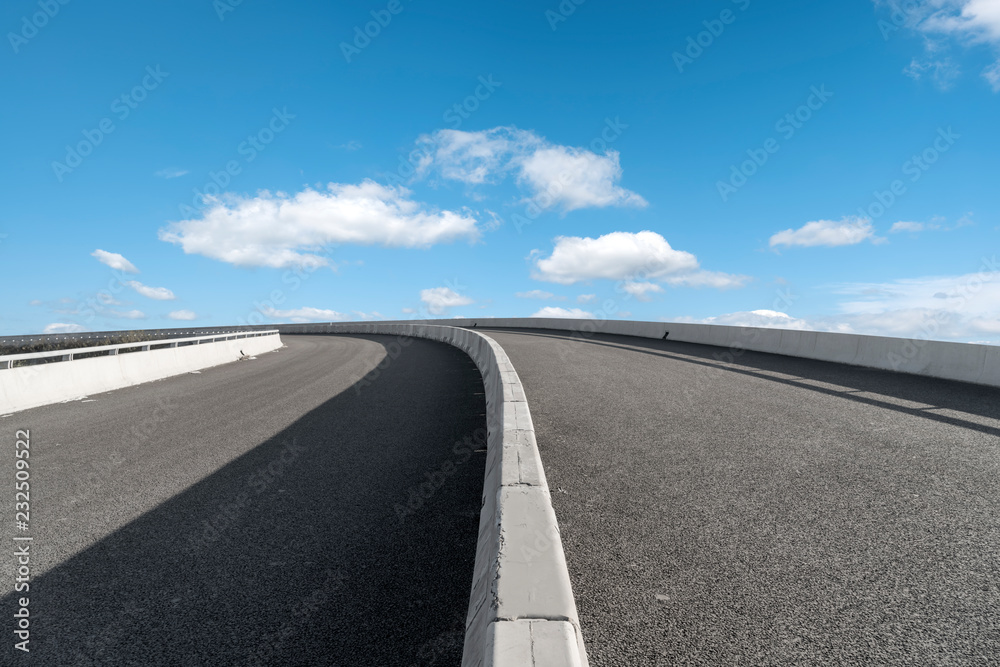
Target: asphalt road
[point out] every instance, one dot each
(275, 511)
(767, 510)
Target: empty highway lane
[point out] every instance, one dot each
(766, 510)
(318, 505)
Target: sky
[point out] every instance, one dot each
(807, 165)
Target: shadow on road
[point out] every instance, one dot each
(347, 539)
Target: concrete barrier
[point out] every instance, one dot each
(966, 362)
(521, 608)
(25, 387)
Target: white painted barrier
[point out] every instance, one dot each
(24, 387)
(521, 609)
(966, 362)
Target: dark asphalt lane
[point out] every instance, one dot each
(257, 512)
(767, 510)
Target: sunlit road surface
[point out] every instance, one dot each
(767, 510)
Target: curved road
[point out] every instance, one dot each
(767, 510)
(275, 511)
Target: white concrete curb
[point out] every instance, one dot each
(521, 610)
(27, 387)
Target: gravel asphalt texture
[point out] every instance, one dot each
(767, 510)
(253, 513)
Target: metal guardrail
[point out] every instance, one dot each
(8, 361)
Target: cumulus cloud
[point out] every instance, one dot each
(279, 230)
(439, 299)
(158, 293)
(636, 258)
(305, 314)
(182, 315)
(614, 256)
(115, 261)
(574, 313)
(943, 23)
(556, 176)
(62, 328)
(848, 231)
(714, 279)
(640, 290)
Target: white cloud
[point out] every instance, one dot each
(306, 314)
(714, 279)
(557, 176)
(849, 231)
(538, 294)
(123, 314)
(637, 259)
(967, 22)
(907, 227)
(614, 256)
(158, 293)
(574, 313)
(586, 298)
(474, 157)
(374, 315)
(171, 173)
(182, 315)
(575, 178)
(62, 328)
(278, 230)
(770, 319)
(114, 260)
(440, 299)
(943, 72)
(992, 76)
(409, 311)
(639, 290)
(961, 308)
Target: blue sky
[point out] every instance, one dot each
(806, 165)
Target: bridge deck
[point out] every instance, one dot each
(767, 510)
(248, 514)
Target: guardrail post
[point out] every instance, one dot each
(174, 344)
(66, 357)
(144, 348)
(112, 352)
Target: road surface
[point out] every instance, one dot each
(280, 510)
(767, 510)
